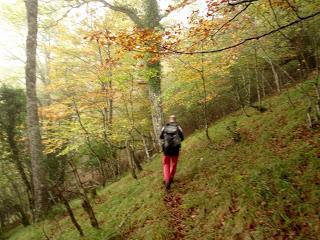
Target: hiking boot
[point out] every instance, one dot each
(168, 185)
(171, 180)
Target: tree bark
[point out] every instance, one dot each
(35, 145)
(275, 75)
(204, 89)
(23, 215)
(136, 160)
(152, 21)
(249, 86)
(130, 160)
(19, 166)
(239, 97)
(85, 199)
(257, 79)
(70, 212)
(146, 149)
(89, 210)
(317, 103)
(154, 71)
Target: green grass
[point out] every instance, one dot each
(265, 187)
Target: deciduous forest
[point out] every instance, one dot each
(87, 85)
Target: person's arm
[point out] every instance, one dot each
(162, 133)
(181, 135)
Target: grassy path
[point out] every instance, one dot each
(173, 202)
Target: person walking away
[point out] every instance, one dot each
(171, 136)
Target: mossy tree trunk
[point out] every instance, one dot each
(150, 20)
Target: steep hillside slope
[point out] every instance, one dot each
(267, 186)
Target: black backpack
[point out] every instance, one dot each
(171, 136)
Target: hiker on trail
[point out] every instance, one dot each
(172, 136)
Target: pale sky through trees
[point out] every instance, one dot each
(12, 42)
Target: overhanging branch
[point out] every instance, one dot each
(130, 12)
(247, 39)
(56, 22)
(234, 3)
(178, 6)
(230, 20)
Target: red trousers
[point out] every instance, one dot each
(169, 167)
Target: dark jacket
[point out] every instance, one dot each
(172, 151)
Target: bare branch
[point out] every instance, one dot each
(277, 20)
(55, 23)
(247, 39)
(293, 8)
(187, 64)
(230, 20)
(15, 57)
(130, 12)
(178, 6)
(234, 3)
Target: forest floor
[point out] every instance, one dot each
(267, 186)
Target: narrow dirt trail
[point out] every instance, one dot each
(173, 201)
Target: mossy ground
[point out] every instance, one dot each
(267, 186)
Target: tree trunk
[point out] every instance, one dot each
(152, 22)
(44, 72)
(239, 98)
(136, 161)
(249, 87)
(23, 216)
(275, 75)
(2, 222)
(154, 71)
(204, 89)
(317, 104)
(20, 168)
(71, 214)
(88, 208)
(106, 87)
(257, 79)
(263, 86)
(85, 200)
(110, 91)
(130, 160)
(35, 145)
(146, 149)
